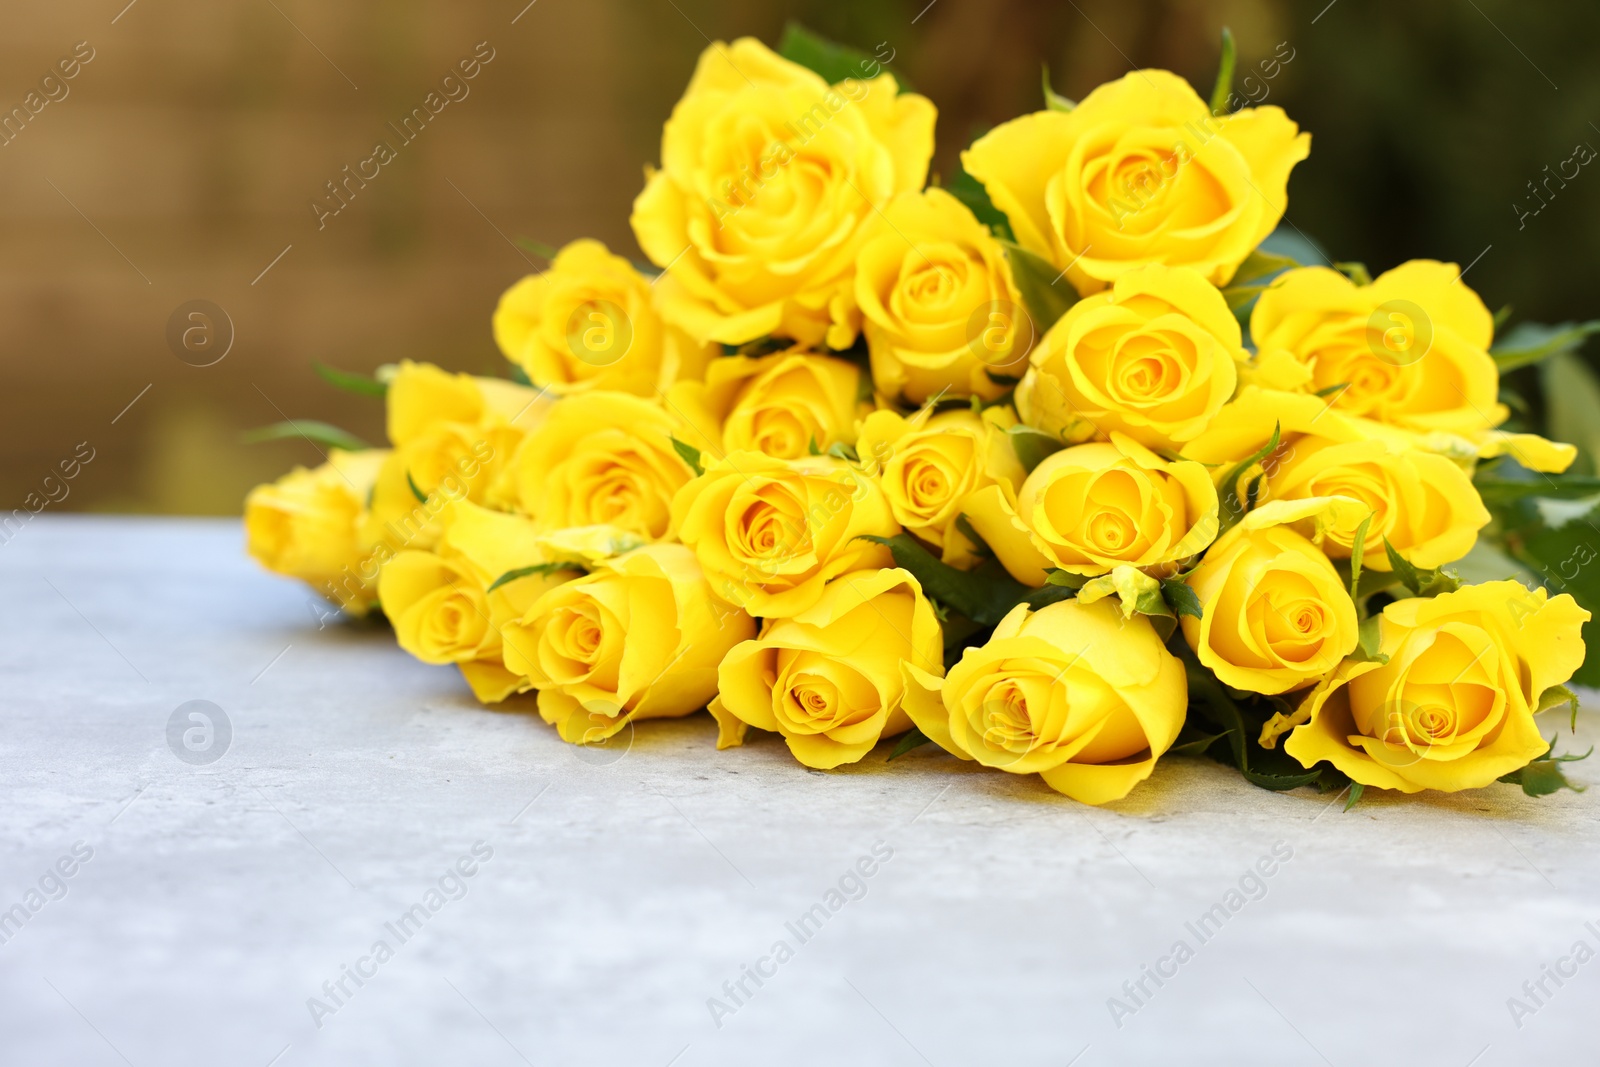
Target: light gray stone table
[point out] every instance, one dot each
(614, 893)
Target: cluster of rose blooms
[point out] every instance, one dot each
(776, 478)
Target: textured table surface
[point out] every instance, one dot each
(617, 897)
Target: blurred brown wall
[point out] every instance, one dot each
(191, 146)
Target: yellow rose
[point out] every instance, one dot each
(588, 323)
(446, 461)
(1090, 508)
(639, 638)
(440, 602)
(1453, 707)
(1140, 172)
(1275, 615)
(421, 396)
(1410, 349)
(772, 533)
(1073, 692)
(1156, 357)
(929, 466)
(786, 405)
(767, 175)
(602, 458)
(938, 303)
(309, 525)
(1423, 502)
(829, 678)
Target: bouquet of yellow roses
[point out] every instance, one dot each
(1067, 463)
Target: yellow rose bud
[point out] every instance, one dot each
(308, 525)
(1423, 504)
(786, 405)
(446, 461)
(828, 679)
(588, 323)
(930, 466)
(639, 638)
(1090, 508)
(1073, 692)
(1410, 349)
(421, 396)
(938, 303)
(1453, 707)
(1155, 357)
(1275, 615)
(602, 458)
(1140, 172)
(440, 602)
(772, 533)
(767, 175)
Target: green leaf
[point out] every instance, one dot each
(1419, 581)
(1231, 508)
(1032, 445)
(967, 189)
(1045, 290)
(1336, 387)
(690, 455)
(1544, 776)
(983, 594)
(538, 248)
(1195, 746)
(913, 738)
(520, 376)
(1356, 789)
(318, 433)
(1572, 408)
(1369, 640)
(1224, 86)
(835, 62)
(1269, 769)
(1555, 697)
(1530, 342)
(351, 383)
(415, 490)
(1065, 579)
(1181, 597)
(1260, 265)
(1356, 272)
(1054, 101)
(537, 568)
(1358, 548)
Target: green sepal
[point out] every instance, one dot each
(1356, 272)
(1053, 101)
(1556, 696)
(1032, 445)
(416, 491)
(1420, 581)
(1369, 639)
(537, 568)
(1231, 509)
(690, 455)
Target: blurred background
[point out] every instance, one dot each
(181, 161)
